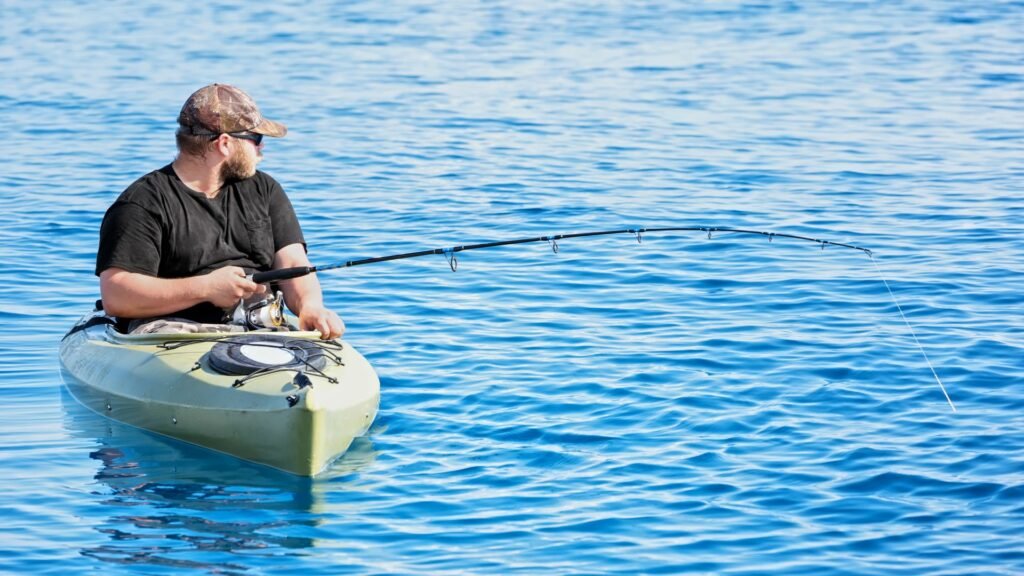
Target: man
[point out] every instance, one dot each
(181, 241)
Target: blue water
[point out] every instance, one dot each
(683, 405)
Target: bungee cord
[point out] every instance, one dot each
(638, 232)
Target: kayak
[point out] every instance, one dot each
(285, 399)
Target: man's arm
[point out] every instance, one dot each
(304, 297)
(132, 295)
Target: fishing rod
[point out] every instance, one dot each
(449, 254)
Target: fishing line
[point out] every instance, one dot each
(912, 333)
(449, 254)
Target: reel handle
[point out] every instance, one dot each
(282, 274)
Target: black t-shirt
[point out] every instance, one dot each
(161, 227)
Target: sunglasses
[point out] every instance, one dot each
(256, 139)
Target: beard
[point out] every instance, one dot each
(238, 166)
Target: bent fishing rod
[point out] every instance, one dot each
(449, 254)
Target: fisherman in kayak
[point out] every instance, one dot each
(178, 244)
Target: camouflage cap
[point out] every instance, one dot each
(221, 108)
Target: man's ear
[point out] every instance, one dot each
(223, 145)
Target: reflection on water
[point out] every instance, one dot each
(169, 500)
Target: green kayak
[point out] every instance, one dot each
(285, 399)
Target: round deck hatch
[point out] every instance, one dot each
(240, 355)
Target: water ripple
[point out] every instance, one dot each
(684, 405)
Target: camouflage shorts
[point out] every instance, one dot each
(172, 325)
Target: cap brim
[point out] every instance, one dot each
(270, 128)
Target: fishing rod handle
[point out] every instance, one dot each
(282, 274)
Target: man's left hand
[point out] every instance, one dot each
(325, 321)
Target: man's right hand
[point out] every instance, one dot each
(224, 287)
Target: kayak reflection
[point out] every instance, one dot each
(177, 505)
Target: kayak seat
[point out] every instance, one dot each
(95, 319)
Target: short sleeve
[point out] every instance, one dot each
(130, 239)
(285, 224)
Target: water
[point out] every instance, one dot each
(683, 405)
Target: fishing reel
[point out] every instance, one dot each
(265, 313)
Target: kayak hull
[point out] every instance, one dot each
(164, 383)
